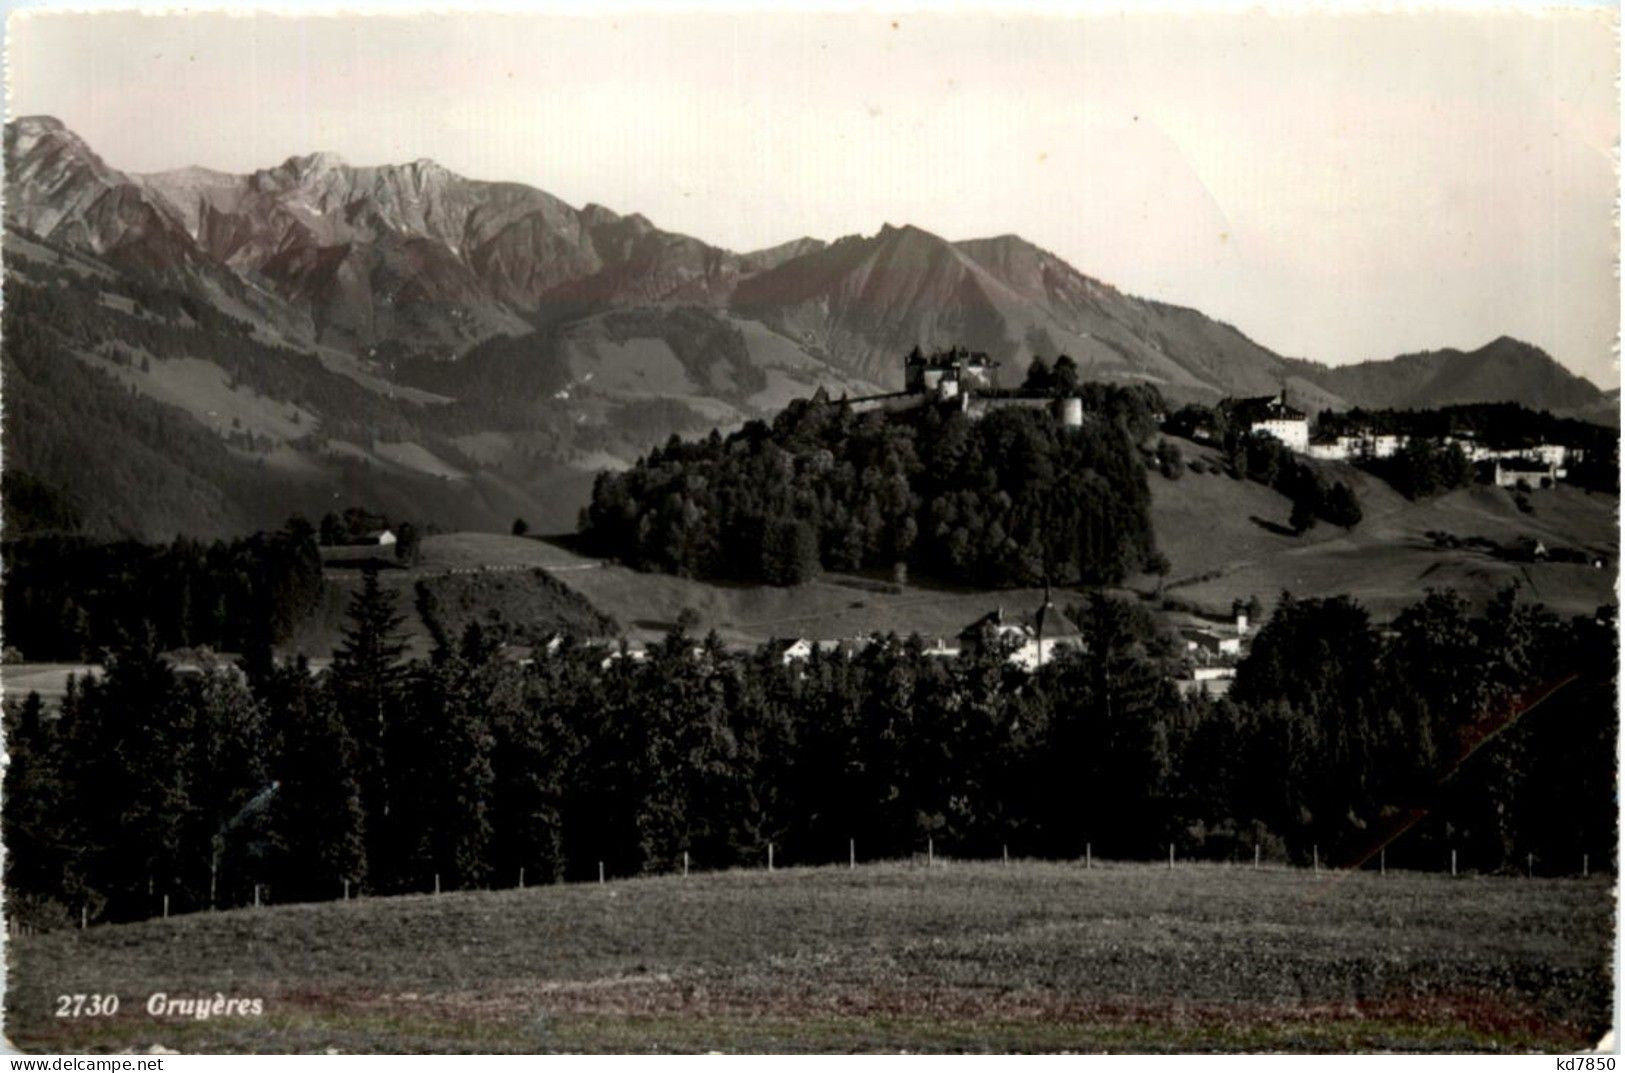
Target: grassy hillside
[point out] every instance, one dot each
(835, 605)
(1227, 539)
(486, 577)
(967, 957)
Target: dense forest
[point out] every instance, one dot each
(1489, 733)
(1012, 498)
(69, 598)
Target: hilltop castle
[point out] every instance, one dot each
(965, 380)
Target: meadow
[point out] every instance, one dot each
(893, 956)
(1226, 538)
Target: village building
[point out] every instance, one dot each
(1524, 473)
(1207, 681)
(1030, 642)
(1271, 415)
(1213, 642)
(793, 650)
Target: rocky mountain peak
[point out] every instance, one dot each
(317, 163)
(32, 137)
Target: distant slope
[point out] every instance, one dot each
(1224, 541)
(1502, 370)
(864, 301)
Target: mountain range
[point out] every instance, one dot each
(408, 335)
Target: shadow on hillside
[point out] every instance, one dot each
(570, 542)
(1269, 526)
(373, 562)
(654, 624)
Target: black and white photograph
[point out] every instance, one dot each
(707, 530)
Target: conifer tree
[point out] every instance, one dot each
(318, 815)
(367, 685)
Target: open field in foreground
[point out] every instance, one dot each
(972, 957)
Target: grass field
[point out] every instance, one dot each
(961, 957)
(1205, 524)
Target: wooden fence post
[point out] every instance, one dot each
(770, 856)
(1317, 856)
(851, 853)
(600, 871)
(685, 862)
(1452, 862)
(166, 907)
(84, 917)
(256, 896)
(930, 852)
(346, 890)
(1257, 852)
(1088, 855)
(1006, 854)
(1170, 856)
(1382, 861)
(521, 877)
(437, 882)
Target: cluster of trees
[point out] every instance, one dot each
(1424, 467)
(356, 523)
(1136, 408)
(1059, 380)
(1013, 498)
(70, 598)
(388, 775)
(1263, 458)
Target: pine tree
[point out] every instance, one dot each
(227, 790)
(367, 680)
(36, 813)
(444, 781)
(318, 816)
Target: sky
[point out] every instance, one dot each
(1341, 187)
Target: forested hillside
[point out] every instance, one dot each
(1012, 498)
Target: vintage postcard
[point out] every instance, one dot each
(1003, 530)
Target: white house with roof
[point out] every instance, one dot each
(1271, 415)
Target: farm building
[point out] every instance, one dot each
(793, 650)
(1524, 472)
(382, 538)
(1032, 641)
(1207, 681)
(1215, 642)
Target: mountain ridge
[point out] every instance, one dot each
(417, 256)
(404, 333)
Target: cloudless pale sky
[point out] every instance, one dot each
(1339, 187)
